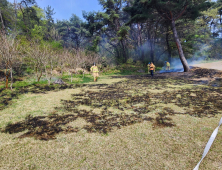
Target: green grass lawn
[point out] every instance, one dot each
(115, 123)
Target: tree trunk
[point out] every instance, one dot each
(124, 51)
(47, 76)
(61, 71)
(84, 72)
(15, 3)
(179, 47)
(3, 27)
(220, 24)
(6, 77)
(26, 27)
(11, 78)
(37, 75)
(118, 54)
(151, 51)
(40, 75)
(6, 81)
(71, 77)
(168, 45)
(151, 43)
(50, 77)
(20, 70)
(141, 52)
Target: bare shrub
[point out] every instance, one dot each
(86, 60)
(35, 56)
(63, 60)
(10, 57)
(50, 61)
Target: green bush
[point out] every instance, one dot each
(56, 45)
(80, 72)
(139, 63)
(18, 84)
(41, 82)
(104, 62)
(29, 70)
(129, 61)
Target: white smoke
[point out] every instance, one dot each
(198, 57)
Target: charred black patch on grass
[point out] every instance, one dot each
(131, 96)
(6, 95)
(163, 121)
(40, 127)
(203, 101)
(203, 72)
(46, 127)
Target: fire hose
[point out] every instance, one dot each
(209, 143)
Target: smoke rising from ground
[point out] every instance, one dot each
(176, 65)
(198, 57)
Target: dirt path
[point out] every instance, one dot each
(215, 65)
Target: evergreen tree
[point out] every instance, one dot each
(169, 11)
(109, 26)
(6, 16)
(28, 16)
(50, 21)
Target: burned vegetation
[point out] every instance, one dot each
(125, 103)
(6, 98)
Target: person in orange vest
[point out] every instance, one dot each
(148, 65)
(94, 69)
(152, 68)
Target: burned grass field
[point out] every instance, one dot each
(178, 104)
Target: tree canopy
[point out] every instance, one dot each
(144, 30)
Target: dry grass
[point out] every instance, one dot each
(34, 104)
(138, 146)
(133, 147)
(106, 80)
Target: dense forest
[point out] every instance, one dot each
(125, 31)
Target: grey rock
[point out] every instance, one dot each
(59, 81)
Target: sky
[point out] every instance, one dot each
(65, 8)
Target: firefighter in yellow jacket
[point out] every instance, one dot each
(167, 65)
(94, 69)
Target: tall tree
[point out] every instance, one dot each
(77, 32)
(28, 14)
(170, 11)
(50, 21)
(109, 25)
(6, 16)
(72, 31)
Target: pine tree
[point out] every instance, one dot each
(170, 11)
(50, 21)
